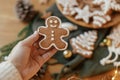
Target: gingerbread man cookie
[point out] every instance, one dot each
(53, 34)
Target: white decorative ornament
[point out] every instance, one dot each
(68, 6)
(83, 44)
(69, 26)
(69, 11)
(97, 2)
(114, 48)
(115, 36)
(107, 5)
(107, 60)
(100, 20)
(62, 2)
(115, 6)
(97, 12)
(83, 14)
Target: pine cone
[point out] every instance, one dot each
(25, 11)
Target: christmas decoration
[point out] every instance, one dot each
(69, 26)
(84, 14)
(68, 6)
(53, 34)
(84, 43)
(99, 20)
(107, 5)
(91, 13)
(116, 75)
(25, 11)
(67, 54)
(77, 64)
(113, 48)
(106, 42)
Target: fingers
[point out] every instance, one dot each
(46, 56)
(31, 39)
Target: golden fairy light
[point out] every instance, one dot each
(116, 75)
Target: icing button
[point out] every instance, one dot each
(52, 39)
(52, 31)
(52, 35)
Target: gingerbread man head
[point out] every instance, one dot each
(53, 22)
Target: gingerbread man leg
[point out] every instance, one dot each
(63, 45)
(44, 44)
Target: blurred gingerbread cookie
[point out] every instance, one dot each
(68, 6)
(91, 13)
(84, 43)
(53, 34)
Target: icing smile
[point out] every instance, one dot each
(53, 25)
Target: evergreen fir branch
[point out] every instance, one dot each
(5, 50)
(22, 32)
(25, 32)
(9, 46)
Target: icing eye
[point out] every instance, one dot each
(51, 21)
(55, 21)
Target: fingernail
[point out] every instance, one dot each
(45, 56)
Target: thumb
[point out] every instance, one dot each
(31, 39)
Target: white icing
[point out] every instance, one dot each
(100, 20)
(52, 32)
(52, 35)
(52, 39)
(51, 21)
(108, 60)
(83, 14)
(107, 5)
(68, 6)
(69, 26)
(84, 43)
(115, 35)
(55, 21)
(100, 17)
(115, 6)
(114, 48)
(97, 2)
(84, 52)
(96, 12)
(80, 50)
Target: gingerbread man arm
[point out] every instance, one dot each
(64, 31)
(42, 30)
(63, 44)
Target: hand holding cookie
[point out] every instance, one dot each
(53, 34)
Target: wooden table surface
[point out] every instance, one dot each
(10, 25)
